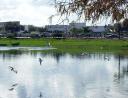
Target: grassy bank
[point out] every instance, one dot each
(74, 45)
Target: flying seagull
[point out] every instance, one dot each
(12, 69)
(11, 89)
(14, 85)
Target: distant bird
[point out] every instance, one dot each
(11, 89)
(40, 60)
(40, 96)
(49, 44)
(12, 69)
(106, 58)
(14, 85)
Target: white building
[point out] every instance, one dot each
(64, 28)
(97, 28)
(77, 25)
(57, 28)
(26, 27)
(67, 28)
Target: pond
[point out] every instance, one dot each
(37, 74)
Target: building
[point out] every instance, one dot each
(64, 28)
(77, 25)
(97, 29)
(9, 27)
(57, 28)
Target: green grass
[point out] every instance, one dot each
(75, 45)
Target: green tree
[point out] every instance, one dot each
(86, 30)
(75, 31)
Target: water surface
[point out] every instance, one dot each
(92, 75)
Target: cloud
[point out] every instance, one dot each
(42, 2)
(34, 12)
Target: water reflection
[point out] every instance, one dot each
(94, 75)
(22, 92)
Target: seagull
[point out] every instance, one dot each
(106, 58)
(12, 69)
(40, 95)
(40, 60)
(49, 44)
(14, 84)
(11, 89)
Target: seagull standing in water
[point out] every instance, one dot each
(49, 44)
(106, 58)
(40, 60)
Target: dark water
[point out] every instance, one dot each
(92, 75)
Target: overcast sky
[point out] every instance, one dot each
(35, 12)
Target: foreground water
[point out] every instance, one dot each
(89, 75)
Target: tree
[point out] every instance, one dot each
(32, 28)
(75, 31)
(117, 27)
(125, 25)
(94, 9)
(86, 30)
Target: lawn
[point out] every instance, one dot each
(74, 45)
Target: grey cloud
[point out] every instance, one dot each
(42, 2)
(8, 4)
(7, 7)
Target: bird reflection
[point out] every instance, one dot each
(106, 58)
